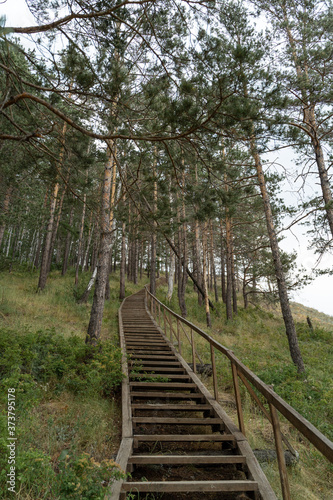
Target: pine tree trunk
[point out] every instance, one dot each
(171, 274)
(112, 221)
(323, 174)
(96, 315)
(245, 298)
(153, 264)
(135, 260)
(79, 250)
(5, 208)
(212, 260)
(197, 250)
(281, 283)
(14, 247)
(182, 246)
(90, 234)
(229, 266)
(223, 284)
(94, 255)
(48, 241)
(233, 277)
(55, 228)
(153, 236)
(204, 273)
(123, 262)
(85, 296)
(198, 260)
(142, 258)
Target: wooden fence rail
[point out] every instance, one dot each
(241, 372)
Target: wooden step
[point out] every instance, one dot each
(164, 356)
(187, 459)
(135, 329)
(148, 343)
(152, 364)
(148, 338)
(195, 438)
(190, 486)
(164, 385)
(164, 369)
(167, 407)
(167, 395)
(151, 351)
(166, 375)
(177, 421)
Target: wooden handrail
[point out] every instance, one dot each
(321, 442)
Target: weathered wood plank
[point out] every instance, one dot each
(154, 375)
(152, 363)
(123, 455)
(185, 437)
(177, 420)
(164, 369)
(189, 486)
(166, 395)
(187, 459)
(164, 385)
(168, 407)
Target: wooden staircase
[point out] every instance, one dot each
(179, 442)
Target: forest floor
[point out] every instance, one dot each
(68, 418)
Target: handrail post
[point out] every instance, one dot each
(280, 454)
(164, 321)
(178, 336)
(159, 314)
(193, 352)
(151, 305)
(212, 355)
(238, 398)
(170, 324)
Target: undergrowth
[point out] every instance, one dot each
(67, 398)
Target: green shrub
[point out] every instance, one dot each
(83, 478)
(72, 477)
(35, 361)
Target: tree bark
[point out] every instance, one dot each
(222, 260)
(204, 273)
(212, 260)
(171, 274)
(5, 208)
(48, 241)
(80, 244)
(96, 315)
(122, 277)
(281, 283)
(233, 276)
(122, 262)
(182, 246)
(229, 266)
(154, 235)
(90, 233)
(198, 262)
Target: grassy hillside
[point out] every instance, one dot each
(68, 401)
(317, 318)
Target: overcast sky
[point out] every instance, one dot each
(319, 294)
